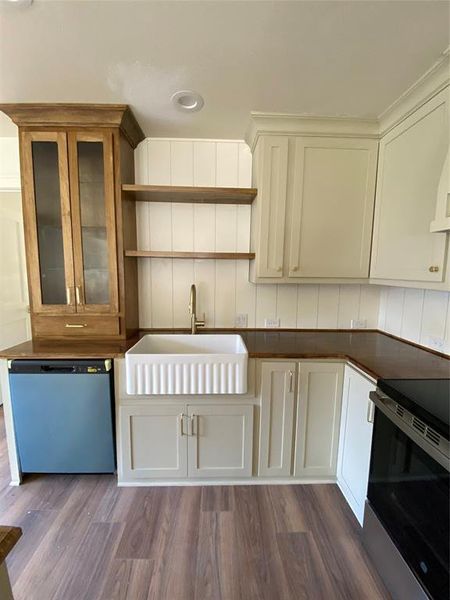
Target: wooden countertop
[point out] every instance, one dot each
(376, 353)
(9, 537)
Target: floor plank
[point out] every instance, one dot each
(86, 539)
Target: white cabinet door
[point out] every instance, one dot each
(154, 441)
(220, 441)
(318, 415)
(355, 440)
(277, 418)
(410, 166)
(332, 210)
(269, 208)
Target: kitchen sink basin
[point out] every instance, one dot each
(187, 364)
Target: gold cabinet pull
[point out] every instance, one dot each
(291, 380)
(78, 294)
(76, 325)
(68, 296)
(295, 268)
(434, 269)
(181, 417)
(193, 432)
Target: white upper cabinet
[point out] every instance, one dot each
(410, 166)
(269, 208)
(332, 207)
(312, 218)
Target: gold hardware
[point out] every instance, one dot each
(279, 269)
(181, 417)
(291, 379)
(433, 269)
(295, 268)
(78, 294)
(370, 411)
(192, 424)
(68, 296)
(108, 364)
(76, 325)
(193, 311)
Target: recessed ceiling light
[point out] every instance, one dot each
(188, 101)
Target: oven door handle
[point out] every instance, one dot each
(387, 406)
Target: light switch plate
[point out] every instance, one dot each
(358, 323)
(271, 323)
(241, 320)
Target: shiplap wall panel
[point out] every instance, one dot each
(223, 289)
(421, 316)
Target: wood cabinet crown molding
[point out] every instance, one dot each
(76, 115)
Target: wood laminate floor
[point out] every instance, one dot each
(86, 539)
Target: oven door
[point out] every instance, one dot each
(409, 492)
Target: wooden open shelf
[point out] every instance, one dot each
(211, 255)
(188, 194)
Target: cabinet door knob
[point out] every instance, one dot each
(295, 268)
(433, 269)
(279, 269)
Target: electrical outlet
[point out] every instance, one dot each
(358, 323)
(271, 323)
(241, 320)
(437, 343)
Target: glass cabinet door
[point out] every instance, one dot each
(94, 238)
(47, 219)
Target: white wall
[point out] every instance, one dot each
(421, 316)
(223, 288)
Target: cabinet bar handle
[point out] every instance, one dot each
(78, 294)
(291, 379)
(434, 269)
(181, 417)
(370, 411)
(193, 417)
(68, 296)
(76, 325)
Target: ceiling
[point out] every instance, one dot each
(322, 57)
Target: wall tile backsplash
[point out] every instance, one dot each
(223, 289)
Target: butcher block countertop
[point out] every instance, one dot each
(378, 354)
(9, 537)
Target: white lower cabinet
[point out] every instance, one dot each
(153, 442)
(172, 441)
(355, 440)
(318, 418)
(277, 418)
(220, 441)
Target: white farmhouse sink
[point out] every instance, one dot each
(187, 364)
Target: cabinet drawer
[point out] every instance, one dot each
(75, 326)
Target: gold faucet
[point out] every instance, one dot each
(193, 311)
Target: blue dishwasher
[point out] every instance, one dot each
(63, 415)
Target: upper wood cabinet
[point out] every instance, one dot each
(411, 161)
(73, 158)
(312, 218)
